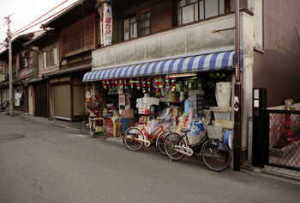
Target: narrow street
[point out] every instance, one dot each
(40, 163)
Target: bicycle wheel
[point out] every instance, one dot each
(160, 143)
(171, 141)
(131, 139)
(215, 155)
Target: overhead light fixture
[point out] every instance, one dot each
(182, 75)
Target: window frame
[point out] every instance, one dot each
(138, 22)
(200, 10)
(131, 23)
(53, 54)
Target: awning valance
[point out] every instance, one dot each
(197, 63)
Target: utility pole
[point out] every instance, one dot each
(238, 92)
(10, 73)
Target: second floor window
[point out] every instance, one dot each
(130, 28)
(50, 58)
(190, 11)
(137, 26)
(144, 25)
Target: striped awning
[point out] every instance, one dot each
(188, 64)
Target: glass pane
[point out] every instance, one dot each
(126, 36)
(147, 31)
(182, 3)
(196, 7)
(179, 20)
(222, 7)
(147, 23)
(201, 9)
(188, 14)
(211, 8)
(133, 20)
(126, 29)
(134, 30)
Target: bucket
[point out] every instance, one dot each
(223, 93)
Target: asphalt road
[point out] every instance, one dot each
(40, 163)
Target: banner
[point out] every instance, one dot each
(107, 24)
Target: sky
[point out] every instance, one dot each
(25, 11)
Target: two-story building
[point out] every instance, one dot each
(64, 56)
(162, 38)
(24, 66)
(171, 39)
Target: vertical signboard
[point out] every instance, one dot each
(107, 24)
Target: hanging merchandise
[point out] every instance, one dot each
(144, 85)
(173, 85)
(149, 84)
(131, 84)
(138, 84)
(104, 84)
(125, 84)
(121, 84)
(167, 84)
(172, 97)
(144, 104)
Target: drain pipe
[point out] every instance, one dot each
(237, 92)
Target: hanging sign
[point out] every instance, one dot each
(107, 24)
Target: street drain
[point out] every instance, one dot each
(11, 137)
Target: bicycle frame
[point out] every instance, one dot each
(189, 150)
(148, 138)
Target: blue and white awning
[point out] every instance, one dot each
(189, 64)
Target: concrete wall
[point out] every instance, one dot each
(188, 39)
(278, 69)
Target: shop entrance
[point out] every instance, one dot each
(124, 102)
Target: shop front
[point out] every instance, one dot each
(67, 98)
(191, 86)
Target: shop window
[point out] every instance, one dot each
(190, 11)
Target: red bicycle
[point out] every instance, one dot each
(136, 138)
